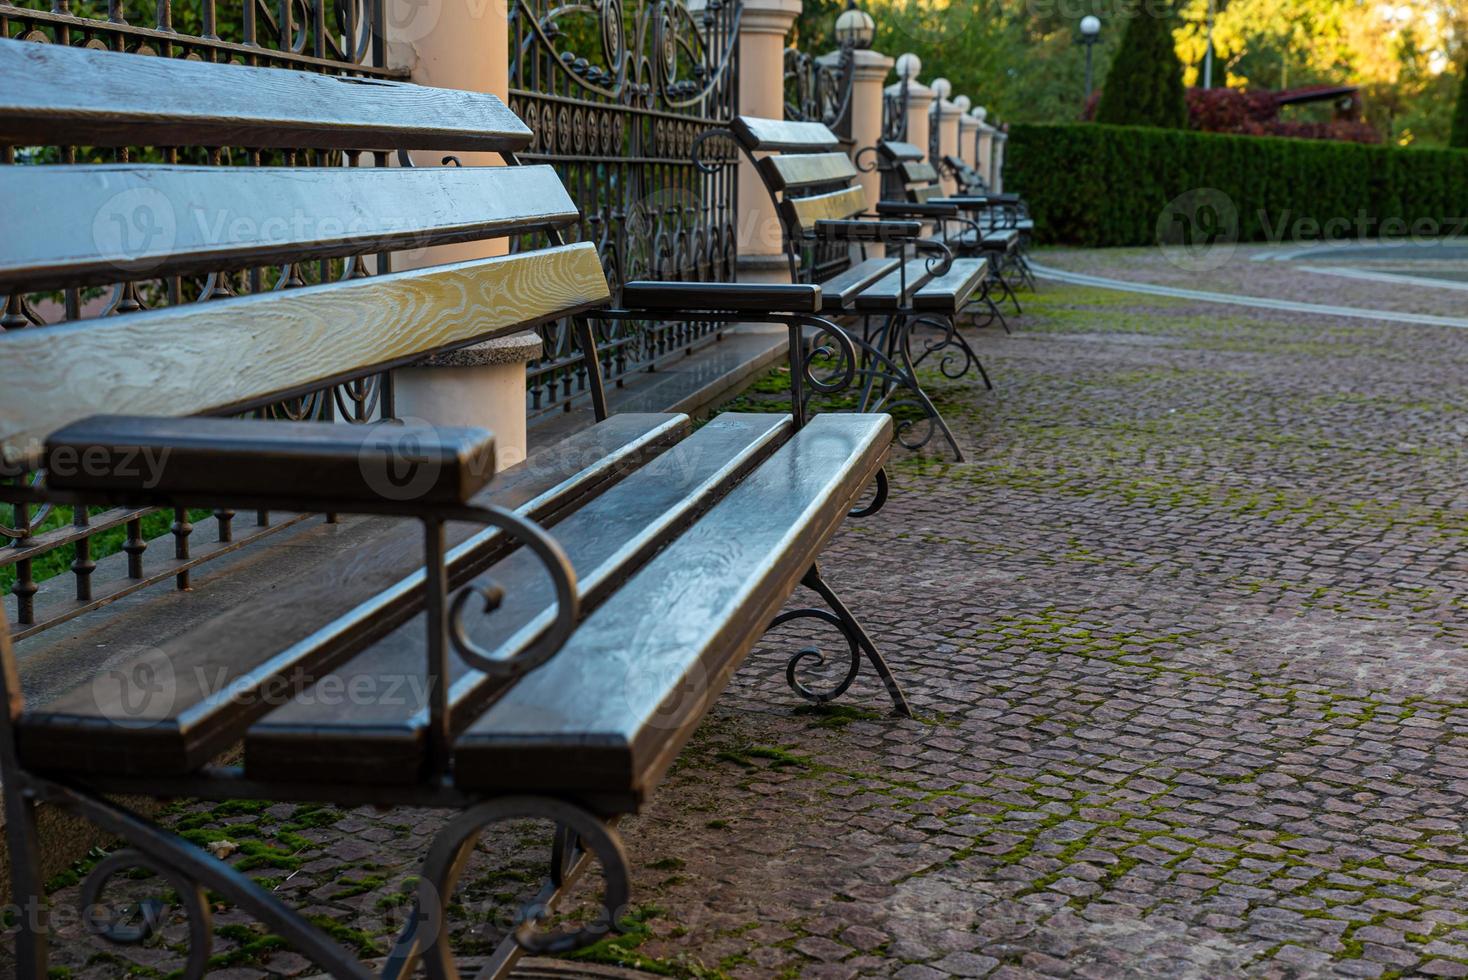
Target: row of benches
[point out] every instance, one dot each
(552, 634)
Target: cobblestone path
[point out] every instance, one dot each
(1188, 639)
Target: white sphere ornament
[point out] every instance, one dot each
(1090, 25)
(963, 102)
(941, 87)
(908, 66)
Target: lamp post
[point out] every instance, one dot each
(1090, 34)
(855, 28)
(1208, 55)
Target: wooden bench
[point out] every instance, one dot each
(915, 285)
(970, 224)
(552, 674)
(1007, 210)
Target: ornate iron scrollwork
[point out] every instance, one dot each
(615, 92)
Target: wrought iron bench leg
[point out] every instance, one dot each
(857, 639)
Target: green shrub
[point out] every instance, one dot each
(1145, 84)
(1459, 137)
(1095, 185)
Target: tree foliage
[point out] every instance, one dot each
(1460, 114)
(1145, 84)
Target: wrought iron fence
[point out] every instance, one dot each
(329, 36)
(616, 94)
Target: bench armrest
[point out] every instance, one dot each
(736, 297)
(965, 201)
(311, 466)
(908, 209)
(872, 230)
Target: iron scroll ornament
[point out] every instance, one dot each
(645, 74)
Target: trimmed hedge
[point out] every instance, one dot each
(1091, 184)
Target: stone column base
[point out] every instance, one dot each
(482, 385)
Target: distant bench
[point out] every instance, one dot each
(907, 299)
(537, 673)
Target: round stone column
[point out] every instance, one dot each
(869, 71)
(462, 45)
(968, 135)
(763, 27)
(1000, 138)
(946, 114)
(985, 163)
(919, 98)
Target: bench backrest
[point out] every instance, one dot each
(970, 181)
(806, 173)
(88, 225)
(916, 179)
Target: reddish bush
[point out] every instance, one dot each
(1256, 113)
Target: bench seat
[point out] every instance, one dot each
(314, 737)
(610, 712)
(841, 290)
(254, 621)
(929, 294)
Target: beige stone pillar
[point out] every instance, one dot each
(985, 163)
(1000, 138)
(868, 74)
(968, 135)
(462, 44)
(763, 27)
(945, 116)
(919, 98)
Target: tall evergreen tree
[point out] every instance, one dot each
(1459, 137)
(1145, 84)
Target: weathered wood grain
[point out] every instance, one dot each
(377, 740)
(758, 133)
(259, 623)
(794, 171)
(804, 212)
(611, 710)
(94, 225)
(56, 94)
(228, 354)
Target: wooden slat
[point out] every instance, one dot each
(256, 622)
(947, 293)
(56, 94)
(794, 171)
(838, 291)
(933, 193)
(787, 137)
(804, 212)
(896, 150)
(212, 357)
(609, 713)
(920, 172)
(92, 225)
(885, 295)
(606, 540)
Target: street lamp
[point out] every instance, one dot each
(1090, 34)
(855, 27)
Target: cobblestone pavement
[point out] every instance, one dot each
(1236, 272)
(1187, 641)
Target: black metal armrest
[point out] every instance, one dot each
(871, 230)
(909, 209)
(378, 468)
(737, 297)
(967, 202)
